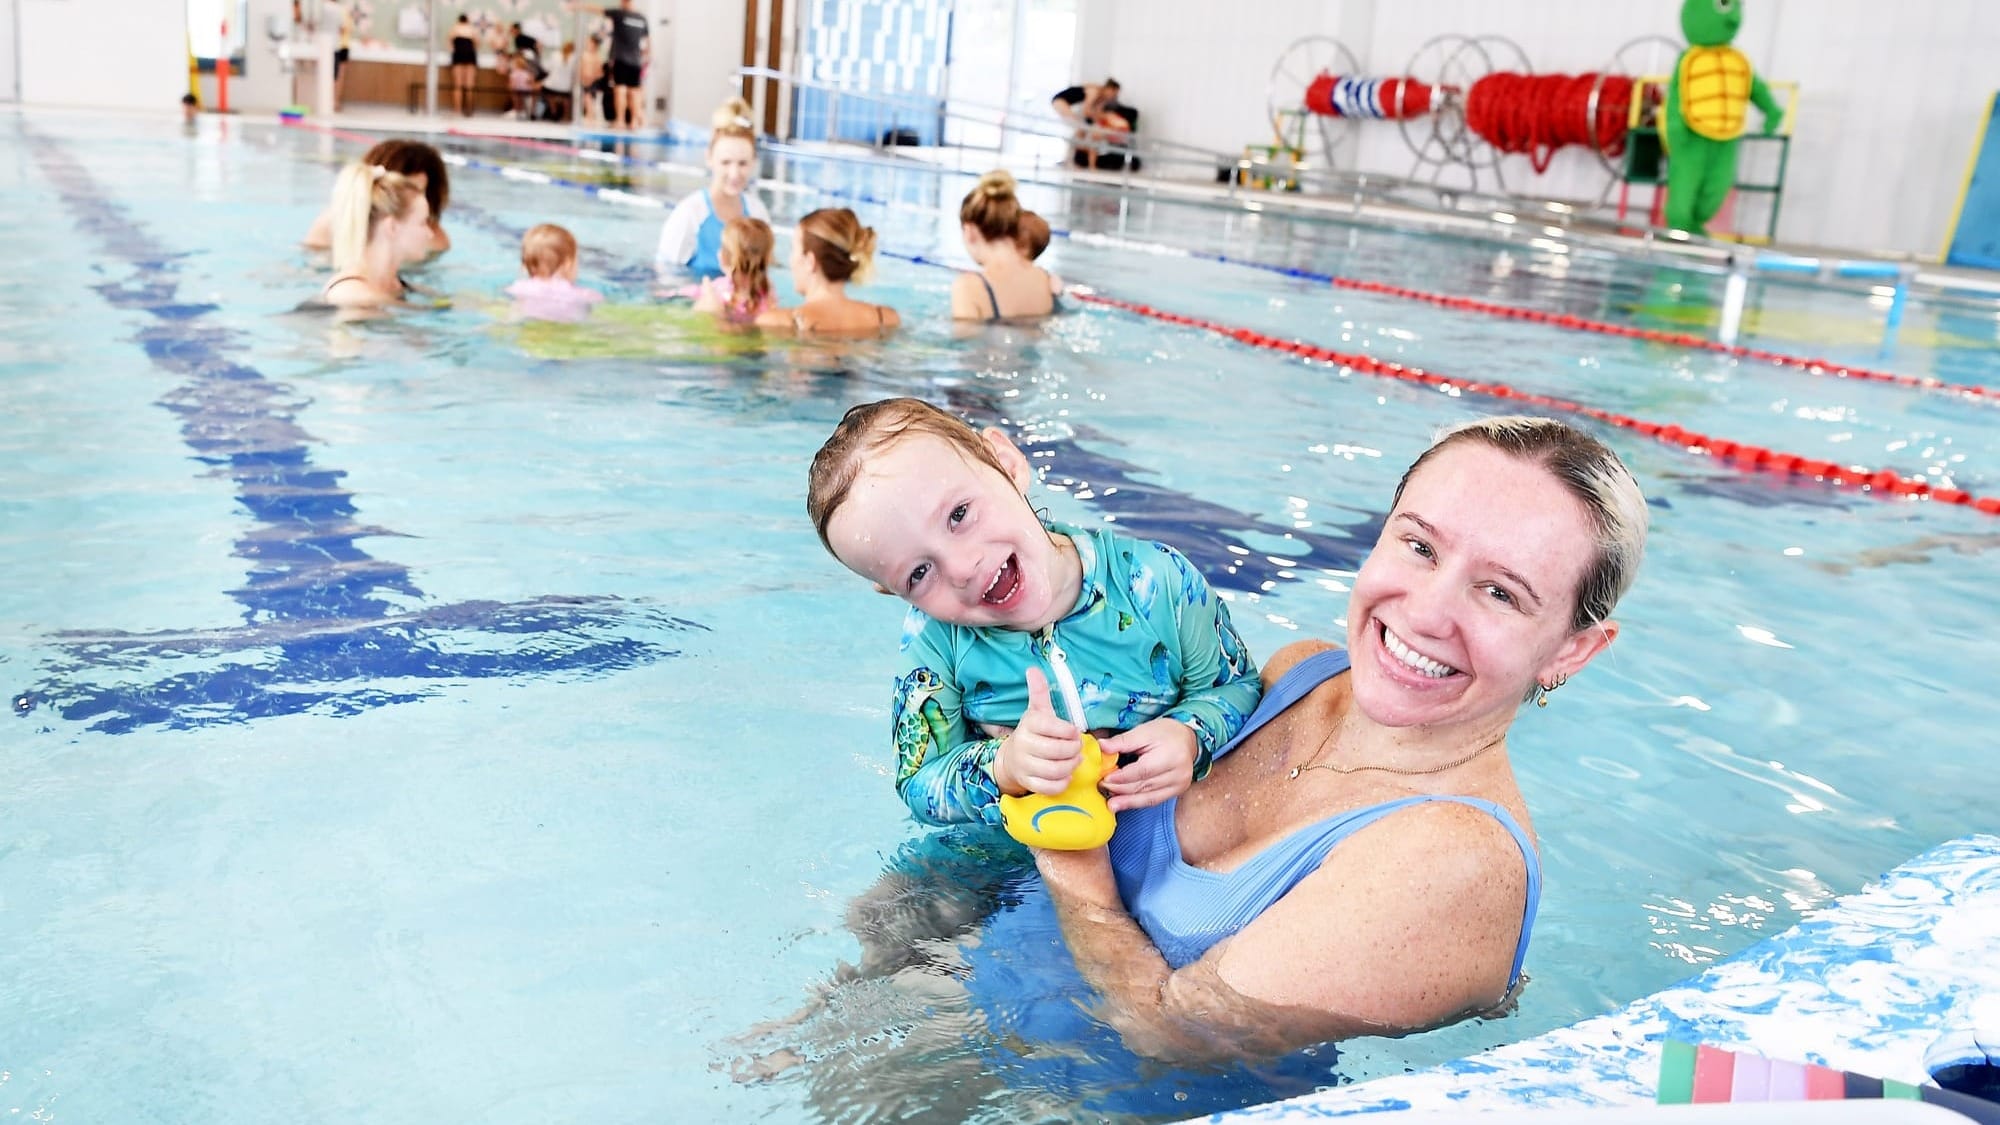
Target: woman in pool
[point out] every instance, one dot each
(1357, 862)
(691, 239)
(831, 250)
(1007, 284)
(1373, 808)
(381, 222)
(414, 161)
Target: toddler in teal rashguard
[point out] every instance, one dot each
(936, 513)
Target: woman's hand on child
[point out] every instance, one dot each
(1164, 768)
(1043, 751)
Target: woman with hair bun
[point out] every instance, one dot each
(1007, 285)
(691, 239)
(831, 250)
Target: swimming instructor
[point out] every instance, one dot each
(1361, 861)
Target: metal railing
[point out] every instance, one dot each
(1327, 193)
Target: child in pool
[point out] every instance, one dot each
(1034, 238)
(917, 502)
(743, 292)
(550, 291)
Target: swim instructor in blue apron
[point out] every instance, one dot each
(691, 240)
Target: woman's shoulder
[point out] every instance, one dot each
(1290, 656)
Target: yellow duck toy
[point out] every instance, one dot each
(1078, 818)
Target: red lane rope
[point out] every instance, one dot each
(1826, 367)
(1883, 483)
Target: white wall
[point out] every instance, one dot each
(1888, 106)
(705, 52)
(10, 86)
(122, 54)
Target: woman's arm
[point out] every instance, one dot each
(965, 298)
(319, 236)
(677, 235)
(1409, 924)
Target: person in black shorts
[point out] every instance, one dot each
(1101, 119)
(464, 62)
(631, 51)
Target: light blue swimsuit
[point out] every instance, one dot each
(1147, 638)
(1187, 910)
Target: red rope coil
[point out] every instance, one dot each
(1537, 114)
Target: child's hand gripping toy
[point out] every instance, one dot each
(1077, 818)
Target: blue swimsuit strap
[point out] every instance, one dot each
(1298, 682)
(990, 295)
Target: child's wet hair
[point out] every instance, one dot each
(746, 254)
(871, 428)
(1033, 234)
(415, 158)
(546, 249)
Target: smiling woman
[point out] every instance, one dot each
(1388, 880)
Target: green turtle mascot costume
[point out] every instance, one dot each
(1706, 103)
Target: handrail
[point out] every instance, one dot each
(1008, 121)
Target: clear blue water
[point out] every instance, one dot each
(425, 719)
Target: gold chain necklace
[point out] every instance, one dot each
(1314, 763)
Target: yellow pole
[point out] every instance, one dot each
(194, 70)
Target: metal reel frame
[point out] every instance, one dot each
(1295, 69)
(1450, 64)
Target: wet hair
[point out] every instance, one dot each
(1112, 84)
(731, 119)
(871, 428)
(1032, 234)
(415, 158)
(190, 99)
(746, 254)
(546, 249)
(1591, 473)
(843, 248)
(363, 196)
(991, 208)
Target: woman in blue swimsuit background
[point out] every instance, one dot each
(1360, 861)
(691, 238)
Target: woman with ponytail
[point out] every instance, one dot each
(691, 240)
(1007, 285)
(380, 223)
(831, 250)
(415, 161)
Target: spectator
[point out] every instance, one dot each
(631, 51)
(559, 85)
(1101, 121)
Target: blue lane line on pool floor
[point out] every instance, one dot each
(322, 626)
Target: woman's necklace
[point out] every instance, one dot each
(1314, 763)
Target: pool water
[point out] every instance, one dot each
(435, 718)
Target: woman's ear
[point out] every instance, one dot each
(1580, 649)
(1012, 460)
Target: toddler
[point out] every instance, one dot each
(743, 292)
(930, 510)
(550, 291)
